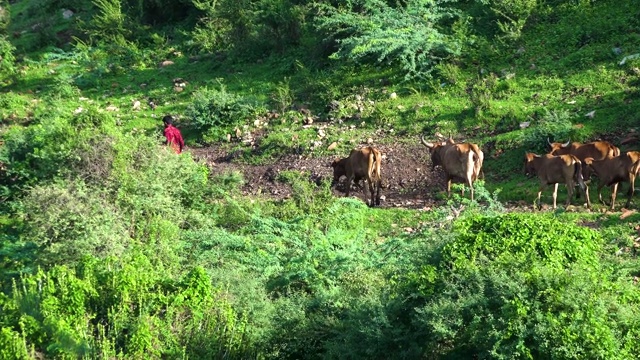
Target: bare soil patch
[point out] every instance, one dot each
(408, 179)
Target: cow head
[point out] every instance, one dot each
(339, 169)
(434, 151)
(559, 148)
(529, 170)
(587, 169)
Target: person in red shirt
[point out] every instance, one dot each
(172, 134)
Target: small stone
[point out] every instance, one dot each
(333, 146)
(67, 14)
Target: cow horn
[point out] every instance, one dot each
(566, 144)
(549, 142)
(425, 143)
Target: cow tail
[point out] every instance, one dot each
(577, 174)
(476, 163)
(374, 165)
(370, 169)
(378, 163)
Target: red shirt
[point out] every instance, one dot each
(174, 138)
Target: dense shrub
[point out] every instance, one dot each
(121, 308)
(373, 31)
(70, 221)
(522, 238)
(7, 60)
(215, 112)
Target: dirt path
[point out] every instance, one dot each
(408, 180)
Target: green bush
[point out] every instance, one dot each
(375, 32)
(524, 237)
(125, 308)
(215, 112)
(7, 60)
(70, 221)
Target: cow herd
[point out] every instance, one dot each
(566, 163)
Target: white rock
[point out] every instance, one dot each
(67, 14)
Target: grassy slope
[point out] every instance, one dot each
(563, 64)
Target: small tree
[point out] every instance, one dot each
(410, 35)
(7, 60)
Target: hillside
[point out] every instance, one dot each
(112, 246)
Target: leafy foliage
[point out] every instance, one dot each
(111, 246)
(216, 111)
(407, 36)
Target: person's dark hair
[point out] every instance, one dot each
(168, 119)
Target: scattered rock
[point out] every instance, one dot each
(590, 114)
(166, 63)
(630, 57)
(136, 105)
(393, 95)
(333, 146)
(67, 14)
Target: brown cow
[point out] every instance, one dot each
(551, 169)
(596, 149)
(361, 164)
(612, 171)
(462, 161)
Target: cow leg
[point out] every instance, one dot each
(364, 191)
(470, 183)
(632, 180)
(570, 190)
(586, 195)
(600, 186)
(555, 195)
(378, 186)
(614, 190)
(349, 180)
(542, 187)
(372, 191)
(449, 187)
